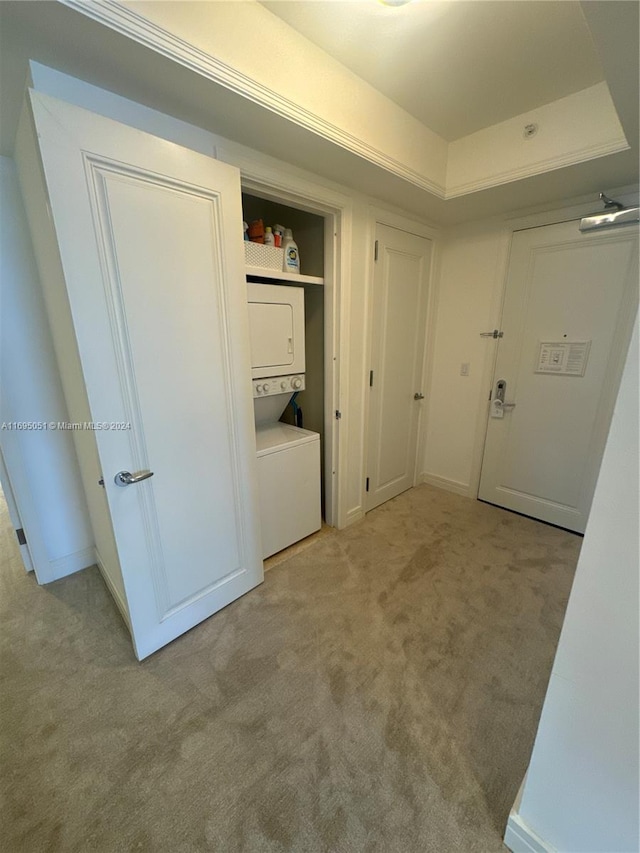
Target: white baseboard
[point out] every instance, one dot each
(448, 485)
(353, 516)
(64, 566)
(520, 838)
(115, 593)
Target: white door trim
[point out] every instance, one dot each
(14, 513)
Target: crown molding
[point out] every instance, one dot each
(571, 158)
(123, 19)
(130, 23)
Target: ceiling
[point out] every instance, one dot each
(478, 53)
(460, 66)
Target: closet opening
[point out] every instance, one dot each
(314, 231)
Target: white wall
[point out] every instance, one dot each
(578, 127)
(469, 284)
(41, 464)
(581, 791)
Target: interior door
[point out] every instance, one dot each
(149, 236)
(569, 306)
(400, 290)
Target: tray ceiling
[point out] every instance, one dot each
(457, 67)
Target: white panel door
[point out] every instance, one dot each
(569, 306)
(150, 242)
(400, 290)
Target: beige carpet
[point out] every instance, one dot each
(380, 692)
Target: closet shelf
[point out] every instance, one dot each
(277, 275)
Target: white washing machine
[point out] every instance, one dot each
(288, 484)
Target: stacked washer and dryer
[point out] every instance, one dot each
(288, 456)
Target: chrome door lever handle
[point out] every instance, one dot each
(418, 396)
(126, 478)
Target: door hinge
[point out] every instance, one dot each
(366, 485)
(375, 251)
(22, 539)
(371, 379)
(338, 414)
(494, 334)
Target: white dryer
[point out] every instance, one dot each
(276, 324)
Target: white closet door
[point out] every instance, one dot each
(149, 236)
(400, 290)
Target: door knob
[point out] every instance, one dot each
(126, 478)
(418, 396)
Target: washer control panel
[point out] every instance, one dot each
(278, 385)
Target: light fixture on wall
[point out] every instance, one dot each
(394, 2)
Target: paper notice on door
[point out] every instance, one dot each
(567, 358)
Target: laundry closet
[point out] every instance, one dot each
(287, 330)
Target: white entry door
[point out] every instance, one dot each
(400, 290)
(149, 236)
(569, 306)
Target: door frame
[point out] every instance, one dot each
(265, 177)
(573, 210)
(380, 216)
(16, 519)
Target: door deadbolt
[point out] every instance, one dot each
(498, 405)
